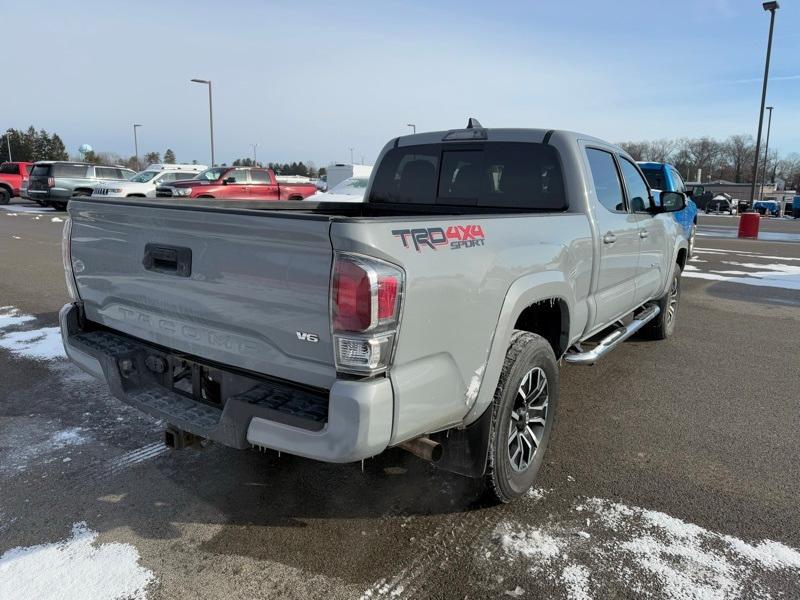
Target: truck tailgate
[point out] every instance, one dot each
(243, 288)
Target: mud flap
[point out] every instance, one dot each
(466, 450)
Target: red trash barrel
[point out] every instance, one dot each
(748, 225)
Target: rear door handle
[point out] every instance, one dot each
(643, 233)
(609, 238)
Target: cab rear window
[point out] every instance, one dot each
(502, 175)
(40, 171)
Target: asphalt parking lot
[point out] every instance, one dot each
(672, 471)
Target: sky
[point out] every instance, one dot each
(308, 80)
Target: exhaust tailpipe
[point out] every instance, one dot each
(424, 448)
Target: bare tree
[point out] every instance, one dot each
(637, 150)
(739, 149)
(661, 150)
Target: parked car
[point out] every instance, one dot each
(665, 177)
(243, 183)
(53, 183)
(12, 177)
(767, 207)
(144, 184)
(349, 190)
(431, 317)
(718, 206)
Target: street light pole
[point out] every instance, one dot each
(8, 141)
(771, 7)
(210, 115)
(413, 127)
(766, 153)
(255, 160)
(351, 156)
(136, 145)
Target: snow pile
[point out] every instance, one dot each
(39, 344)
(74, 568)
(646, 552)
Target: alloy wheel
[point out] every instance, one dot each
(528, 418)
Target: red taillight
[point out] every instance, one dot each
(366, 294)
(51, 182)
(352, 297)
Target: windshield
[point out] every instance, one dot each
(211, 174)
(144, 176)
(354, 186)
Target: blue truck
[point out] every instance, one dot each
(665, 178)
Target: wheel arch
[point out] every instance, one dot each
(542, 303)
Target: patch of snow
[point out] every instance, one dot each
(29, 442)
(576, 580)
(13, 211)
(57, 220)
(74, 568)
(11, 317)
(16, 237)
(38, 344)
(537, 493)
(645, 552)
(474, 386)
(690, 268)
(515, 593)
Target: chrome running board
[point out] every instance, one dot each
(615, 338)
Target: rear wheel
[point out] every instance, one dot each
(4, 196)
(522, 416)
(663, 325)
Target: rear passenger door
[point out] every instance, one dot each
(652, 235)
(615, 293)
(261, 188)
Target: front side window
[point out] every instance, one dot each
(239, 175)
(679, 185)
(606, 180)
(638, 190)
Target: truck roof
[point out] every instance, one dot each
(497, 134)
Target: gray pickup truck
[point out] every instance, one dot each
(431, 317)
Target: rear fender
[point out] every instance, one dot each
(525, 291)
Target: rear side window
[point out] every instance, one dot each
(9, 169)
(655, 179)
(259, 176)
(77, 171)
(606, 180)
(502, 175)
(107, 173)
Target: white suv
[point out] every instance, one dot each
(143, 184)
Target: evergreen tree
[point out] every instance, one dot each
(169, 157)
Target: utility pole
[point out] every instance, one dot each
(351, 156)
(8, 141)
(255, 160)
(766, 153)
(136, 146)
(771, 7)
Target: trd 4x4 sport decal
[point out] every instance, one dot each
(454, 237)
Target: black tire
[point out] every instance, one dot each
(663, 325)
(529, 356)
(4, 196)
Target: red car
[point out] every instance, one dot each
(240, 183)
(12, 176)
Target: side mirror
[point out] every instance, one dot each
(228, 180)
(672, 201)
